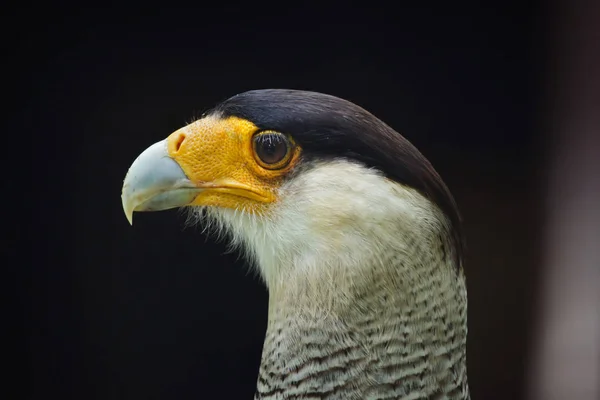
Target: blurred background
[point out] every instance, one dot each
(502, 97)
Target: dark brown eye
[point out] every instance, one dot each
(272, 149)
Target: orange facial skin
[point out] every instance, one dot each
(217, 154)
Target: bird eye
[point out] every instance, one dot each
(272, 149)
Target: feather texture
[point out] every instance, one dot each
(365, 299)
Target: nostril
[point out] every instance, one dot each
(179, 141)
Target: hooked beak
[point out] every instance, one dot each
(155, 182)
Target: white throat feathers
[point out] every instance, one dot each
(326, 235)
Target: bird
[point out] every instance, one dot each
(355, 235)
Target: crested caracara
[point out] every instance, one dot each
(355, 234)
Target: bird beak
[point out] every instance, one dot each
(156, 182)
(208, 163)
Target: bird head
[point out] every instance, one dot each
(310, 185)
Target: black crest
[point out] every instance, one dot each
(327, 126)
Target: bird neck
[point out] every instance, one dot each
(393, 326)
(365, 297)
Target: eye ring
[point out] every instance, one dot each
(272, 150)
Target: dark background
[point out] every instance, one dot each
(156, 311)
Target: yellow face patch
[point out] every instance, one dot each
(218, 155)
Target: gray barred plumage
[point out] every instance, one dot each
(416, 352)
